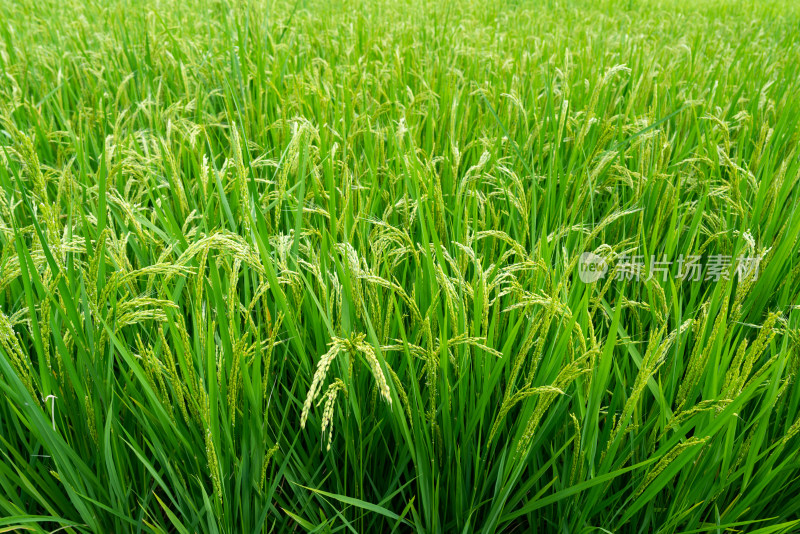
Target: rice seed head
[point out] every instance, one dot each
(327, 412)
(319, 377)
(667, 459)
(372, 359)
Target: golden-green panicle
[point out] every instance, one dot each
(473, 175)
(90, 420)
(171, 165)
(147, 364)
(289, 163)
(743, 451)
(198, 292)
(477, 342)
(484, 291)
(211, 452)
(327, 411)
(650, 363)
(437, 440)
(703, 406)
(431, 368)
(174, 378)
(312, 265)
(577, 455)
(517, 195)
(272, 340)
(734, 371)
(591, 109)
(30, 160)
(746, 358)
(5, 217)
(516, 398)
(20, 362)
(455, 154)
(610, 277)
(213, 466)
(373, 298)
(567, 375)
(449, 291)
(388, 318)
(353, 345)
(351, 259)
(152, 367)
(260, 297)
(233, 290)
(93, 272)
(241, 178)
(117, 255)
(742, 290)
(189, 377)
(562, 121)
(401, 392)
(232, 245)
(652, 360)
(660, 308)
(439, 209)
(539, 351)
(204, 174)
(698, 359)
(373, 399)
(757, 349)
(784, 386)
(9, 258)
(140, 309)
(319, 377)
(131, 211)
(219, 356)
(46, 326)
(265, 464)
(241, 351)
(393, 286)
(338, 302)
(372, 359)
(666, 460)
(65, 191)
(520, 358)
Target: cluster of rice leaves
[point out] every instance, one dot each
(271, 266)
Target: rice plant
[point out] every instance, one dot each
(349, 266)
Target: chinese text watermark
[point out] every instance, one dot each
(692, 268)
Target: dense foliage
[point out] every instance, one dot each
(272, 266)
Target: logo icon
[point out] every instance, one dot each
(591, 267)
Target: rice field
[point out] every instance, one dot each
(349, 266)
